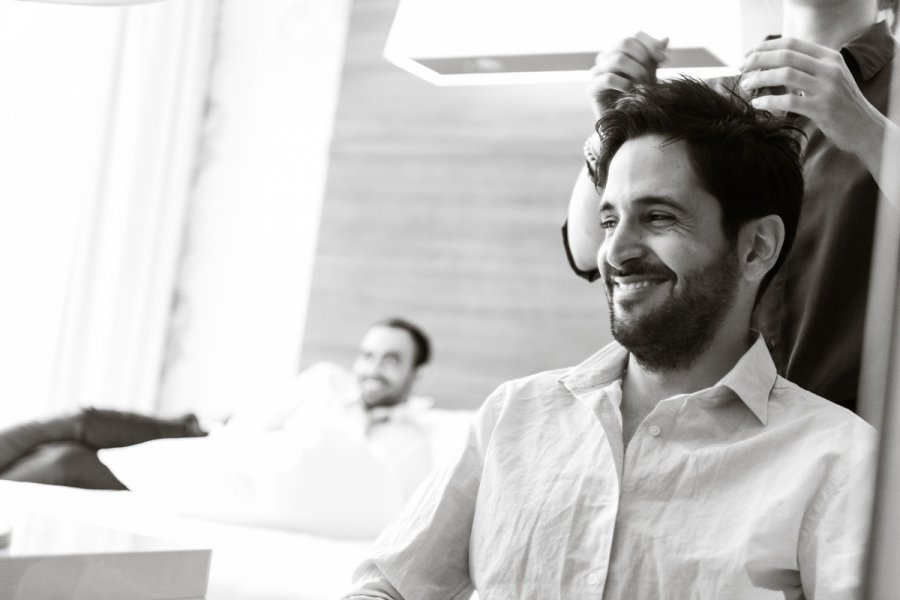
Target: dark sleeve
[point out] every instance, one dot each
(591, 274)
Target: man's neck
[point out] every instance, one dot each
(829, 24)
(642, 388)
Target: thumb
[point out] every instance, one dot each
(660, 51)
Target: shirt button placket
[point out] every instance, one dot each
(653, 430)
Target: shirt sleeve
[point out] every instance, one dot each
(424, 553)
(834, 537)
(370, 584)
(589, 274)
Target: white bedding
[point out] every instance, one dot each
(267, 537)
(248, 563)
(326, 479)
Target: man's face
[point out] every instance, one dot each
(670, 274)
(384, 366)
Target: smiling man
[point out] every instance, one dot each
(831, 69)
(674, 463)
(388, 361)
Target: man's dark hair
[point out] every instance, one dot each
(746, 158)
(420, 340)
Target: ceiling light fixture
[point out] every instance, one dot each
(467, 42)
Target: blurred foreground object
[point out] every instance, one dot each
(880, 385)
(96, 2)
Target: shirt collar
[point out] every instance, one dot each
(751, 378)
(871, 50)
(601, 368)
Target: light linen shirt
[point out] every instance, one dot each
(751, 489)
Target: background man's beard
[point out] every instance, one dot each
(380, 398)
(671, 336)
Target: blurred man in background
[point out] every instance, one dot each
(387, 365)
(63, 450)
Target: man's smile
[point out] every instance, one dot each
(373, 381)
(633, 288)
(637, 279)
(637, 282)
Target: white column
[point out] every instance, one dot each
(248, 262)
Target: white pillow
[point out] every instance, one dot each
(325, 477)
(328, 484)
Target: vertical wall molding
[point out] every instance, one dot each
(246, 265)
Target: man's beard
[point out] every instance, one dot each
(671, 336)
(384, 395)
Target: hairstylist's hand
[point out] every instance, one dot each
(819, 86)
(633, 60)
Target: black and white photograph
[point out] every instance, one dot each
(450, 300)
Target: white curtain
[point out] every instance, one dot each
(99, 121)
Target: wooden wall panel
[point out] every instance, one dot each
(444, 205)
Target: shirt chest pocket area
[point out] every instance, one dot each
(545, 492)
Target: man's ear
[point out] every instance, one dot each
(760, 245)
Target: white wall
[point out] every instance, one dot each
(247, 262)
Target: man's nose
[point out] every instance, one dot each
(373, 368)
(365, 366)
(623, 243)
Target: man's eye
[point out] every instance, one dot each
(608, 223)
(660, 218)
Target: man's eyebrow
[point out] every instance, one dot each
(668, 201)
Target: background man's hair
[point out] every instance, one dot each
(746, 158)
(420, 340)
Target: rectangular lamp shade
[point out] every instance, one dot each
(470, 42)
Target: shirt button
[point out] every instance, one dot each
(653, 430)
(593, 579)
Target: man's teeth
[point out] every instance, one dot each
(638, 285)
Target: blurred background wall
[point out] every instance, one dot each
(219, 193)
(333, 189)
(444, 205)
